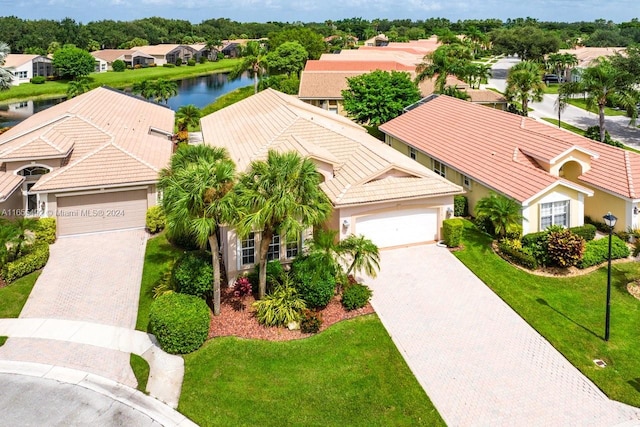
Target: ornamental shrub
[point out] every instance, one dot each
(587, 231)
(34, 260)
(119, 65)
(46, 231)
(597, 251)
(315, 283)
(156, 220)
(242, 287)
(178, 62)
(564, 248)
(179, 322)
(310, 321)
(184, 241)
(356, 296)
(281, 307)
(193, 274)
(460, 206)
(38, 80)
(517, 256)
(169, 65)
(191, 62)
(600, 225)
(532, 239)
(274, 273)
(452, 232)
(203, 59)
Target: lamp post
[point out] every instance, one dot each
(610, 220)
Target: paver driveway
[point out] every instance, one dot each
(93, 278)
(478, 361)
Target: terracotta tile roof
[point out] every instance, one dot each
(502, 150)
(365, 169)
(325, 84)
(101, 127)
(14, 60)
(157, 49)
(350, 65)
(111, 55)
(485, 96)
(8, 184)
(586, 55)
(409, 59)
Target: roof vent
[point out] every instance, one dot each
(522, 121)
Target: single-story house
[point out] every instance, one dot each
(131, 57)
(201, 50)
(375, 191)
(24, 67)
(168, 53)
(92, 162)
(558, 177)
(586, 57)
(231, 49)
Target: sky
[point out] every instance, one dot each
(321, 10)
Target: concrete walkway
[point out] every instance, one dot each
(479, 362)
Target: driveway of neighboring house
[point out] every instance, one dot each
(93, 278)
(480, 363)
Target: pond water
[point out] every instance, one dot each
(199, 91)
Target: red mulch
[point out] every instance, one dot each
(2, 283)
(234, 321)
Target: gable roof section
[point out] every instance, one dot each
(105, 131)
(14, 60)
(8, 184)
(498, 149)
(365, 169)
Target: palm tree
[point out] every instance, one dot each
(504, 213)
(279, 195)
(524, 84)
(475, 74)
(254, 60)
(196, 199)
(602, 83)
(363, 253)
(164, 89)
(77, 87)
(6, 76)
(444, 61)
(187, 116)
(143, 88)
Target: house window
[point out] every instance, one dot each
(21, 74)
(466, 181)
(439, 168)
(555, 213)
(292, 247)
(248, 246)
(274, 248)
(412, 153)
(33, 171)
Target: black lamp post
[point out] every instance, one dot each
(610, 220)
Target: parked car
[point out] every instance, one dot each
(552, 78)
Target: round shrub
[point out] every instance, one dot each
(310, 321)
(564, 248)
(178, 62)
(356, 296)
(155, 220)
(191, 63)
(179, 322)
(315, 283)
(119, 65)
(38, 80)
(193, 274)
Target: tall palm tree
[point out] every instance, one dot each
(279, 195)
(446, 60)
(6, 76)
(524, 84)
(602, 83)
(78, 87)
(504, 213)
(143, 88)
(164, 89)
(475, 74)
(362, 253)
(187, 116)
(254, 60)
(196, 199)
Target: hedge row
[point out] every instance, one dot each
(34, 260)
(452, 232)
(597, 251)
(587, 232)
(517, 256)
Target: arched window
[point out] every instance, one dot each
(34, 171)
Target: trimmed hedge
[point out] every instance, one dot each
(518, 256)
(34, 260)
(452, 232)
(533, 238)
(356, 296)
(38, 80)
(315, 284)
(155, 220)
(460, 206)
(180, 322)
(597, 251)
(46, 231)
(587, 231)
(193, 274)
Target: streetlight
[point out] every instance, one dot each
(610, 220)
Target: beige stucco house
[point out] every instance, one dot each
(375, 191)
(131, 57)
(24, 67)
(92, 162)
(557, 176)
(169, 53)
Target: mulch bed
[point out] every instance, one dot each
(238, 322)
(3, 283)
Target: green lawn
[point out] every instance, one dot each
(552, 88)
(3, 340)
(158, 254)
(140, 369)
(118, 80)
(228, 99)
(13, 297)
(581, 103)
(581, 132)
(351, 374)
(570, 313)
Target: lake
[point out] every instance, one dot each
(199, 91)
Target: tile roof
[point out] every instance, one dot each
(14, 60)
(8, 184)
(158, 49)
(502, 150)
(365, 169)
(350, 65)
(485, 96)
(586, 55)
(106, 132)
(111, 55)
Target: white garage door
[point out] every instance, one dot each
(101, 212)
(397, 228)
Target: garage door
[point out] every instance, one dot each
(397, 228)
(101, 212)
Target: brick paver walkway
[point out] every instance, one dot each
(478, 361)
